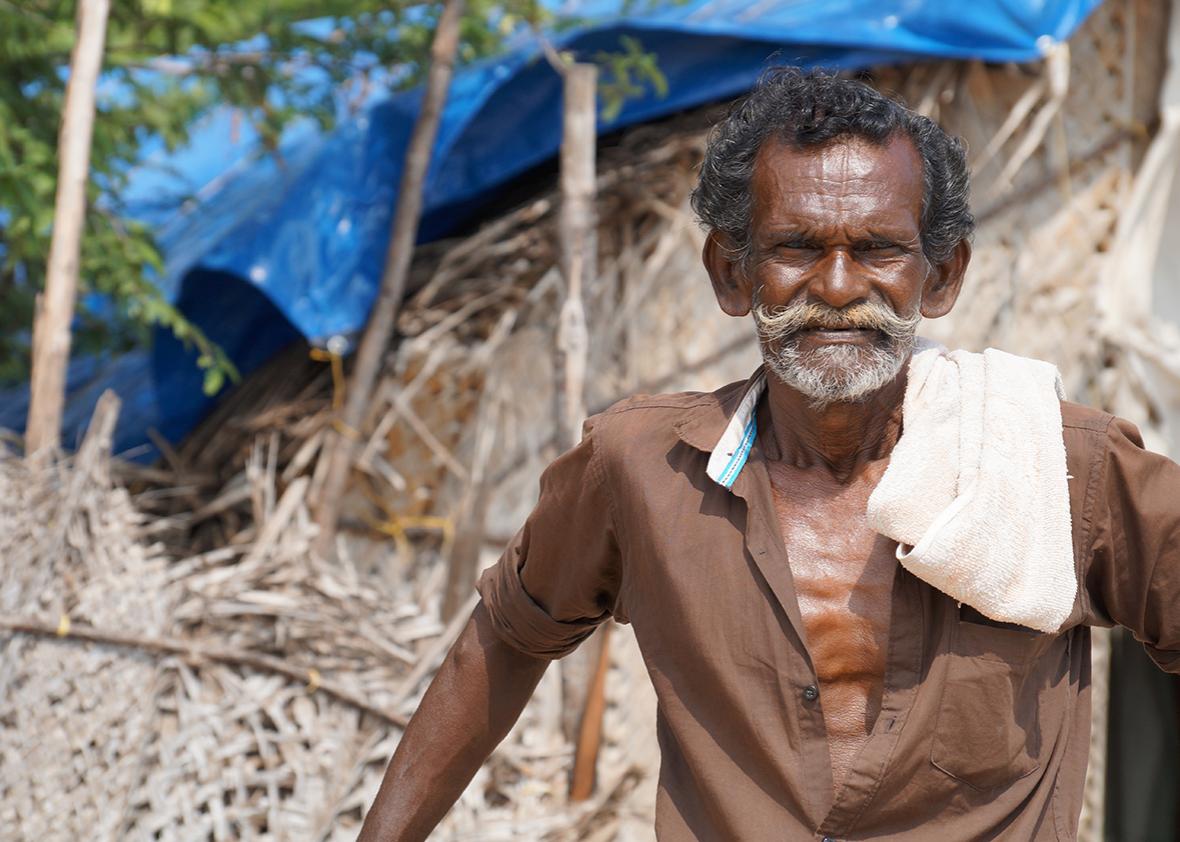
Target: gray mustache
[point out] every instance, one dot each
(777, 323)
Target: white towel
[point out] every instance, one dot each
(975, 492)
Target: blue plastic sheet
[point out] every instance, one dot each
(275, 250)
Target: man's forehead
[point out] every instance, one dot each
(849, 176)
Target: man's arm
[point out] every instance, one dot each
(1133, 576)
(477, 696)
(557, 580)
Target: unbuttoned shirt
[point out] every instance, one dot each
(664, 517)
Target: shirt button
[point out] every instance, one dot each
(811, 693)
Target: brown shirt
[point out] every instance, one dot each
(984, 729)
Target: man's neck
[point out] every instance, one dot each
(842, 437)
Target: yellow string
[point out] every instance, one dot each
(313, 679)
(394, 524)
(395, 528)
(63, 625)
(326, 355)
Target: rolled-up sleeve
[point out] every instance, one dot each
(560, 575)
(1133, 575)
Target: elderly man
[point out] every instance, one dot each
(810, 684)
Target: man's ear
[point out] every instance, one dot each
(727, 272)
(942, 286)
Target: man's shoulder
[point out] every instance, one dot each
(669, 405)
(669, 402)
(1095, 429)
(1081, 417)
(1090, 434)
(647, 418)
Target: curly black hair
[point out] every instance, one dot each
(811, 108)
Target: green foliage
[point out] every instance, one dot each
(240, 53)
(257, 56)
(626, 74)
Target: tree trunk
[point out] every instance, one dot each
(51, 329)
(342, 440)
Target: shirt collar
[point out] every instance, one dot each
(726, 427)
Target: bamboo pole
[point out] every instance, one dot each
(341, 443)
(55, 311)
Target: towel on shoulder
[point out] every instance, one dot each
(975, 493)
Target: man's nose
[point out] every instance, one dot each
(838, 281)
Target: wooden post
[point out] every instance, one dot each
(579, 245)
(589, 735)
(51, 328)
(583, 673)
(341, 443)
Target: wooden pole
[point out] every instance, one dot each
(342, 440)
(55, 313)
(589, 738)
(583, 673)
(578, 233)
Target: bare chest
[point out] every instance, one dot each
(843, 574)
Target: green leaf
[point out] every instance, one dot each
(214, 380)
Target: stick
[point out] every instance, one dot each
(51, 329)
(590, 728)
(340, 443)
(196, 653)
(402, 407)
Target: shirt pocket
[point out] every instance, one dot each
(988, 718)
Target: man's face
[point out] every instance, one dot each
(836, 273)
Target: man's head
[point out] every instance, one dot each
(840, 218)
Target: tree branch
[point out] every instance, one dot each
(341, 444)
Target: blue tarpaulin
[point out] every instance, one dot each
(277, 250)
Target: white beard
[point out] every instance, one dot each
(835, 373)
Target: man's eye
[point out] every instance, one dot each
(880, 247)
